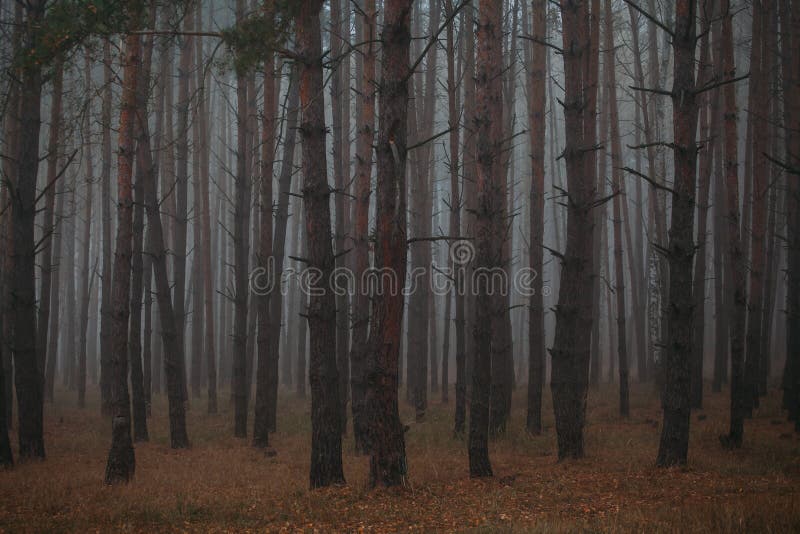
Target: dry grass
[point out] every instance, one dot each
(223, 484)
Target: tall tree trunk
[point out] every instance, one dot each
(339, 85)
(610, 65)
(736, 283)
(241, 253)
(326, 439)
(121, 462)
(386, 436)
(464, 365)
(179, 228)
(759, 113)
(27, 369)
(86, 289)
(144, 165)
(48, 229)
(105, 208)
(267, 367)
(790, 25)
(488, 227)
(362, 180)
(536, 119)
(674, 445)
(704, 170)
(208, 280)
(570, 353)
(279, 244)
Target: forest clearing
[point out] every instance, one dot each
(224, 484)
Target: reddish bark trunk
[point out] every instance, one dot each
(386, 437)
(121, 462)
(326, 439)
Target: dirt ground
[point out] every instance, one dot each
(223, 484)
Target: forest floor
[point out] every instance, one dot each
(223, 484)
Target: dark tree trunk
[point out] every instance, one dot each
(143, 165)
(759, 114)
(489, 217)
(339, 87)
(208, 280)
(463, 364)
(121, 462)
(267, 374)
(537, 126)
(86, 280)
(386, 434)
(619, 197)
(105, 208)
(27, 370)
(48, 229)
(363, 172)
(241, 252)
(699, 284)
(326, 439)
(674, 445)
(279, 245)
(736, 261)
(179, 228)
(570, 353)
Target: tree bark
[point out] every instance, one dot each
(121, 461)
(27, 369)
(570, 353)
(241, 252)
(386, 436)
(326, 439)
(86, 281)
(362, 180)
(267, 367)
(537, 127)
(143, 165)
(759, 113)
(488, 227)
(105, 208)
(674, 445)
(736, 284)
(620, 196)
(48, 229)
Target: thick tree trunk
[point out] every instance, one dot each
(736, 282)
(121, 462)
(326, 439)
(790, 23)
(674, 445)
(570, 353)
(27, 369)
(759, 113)
(362, 180)
(488, 228)
(386, 437)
